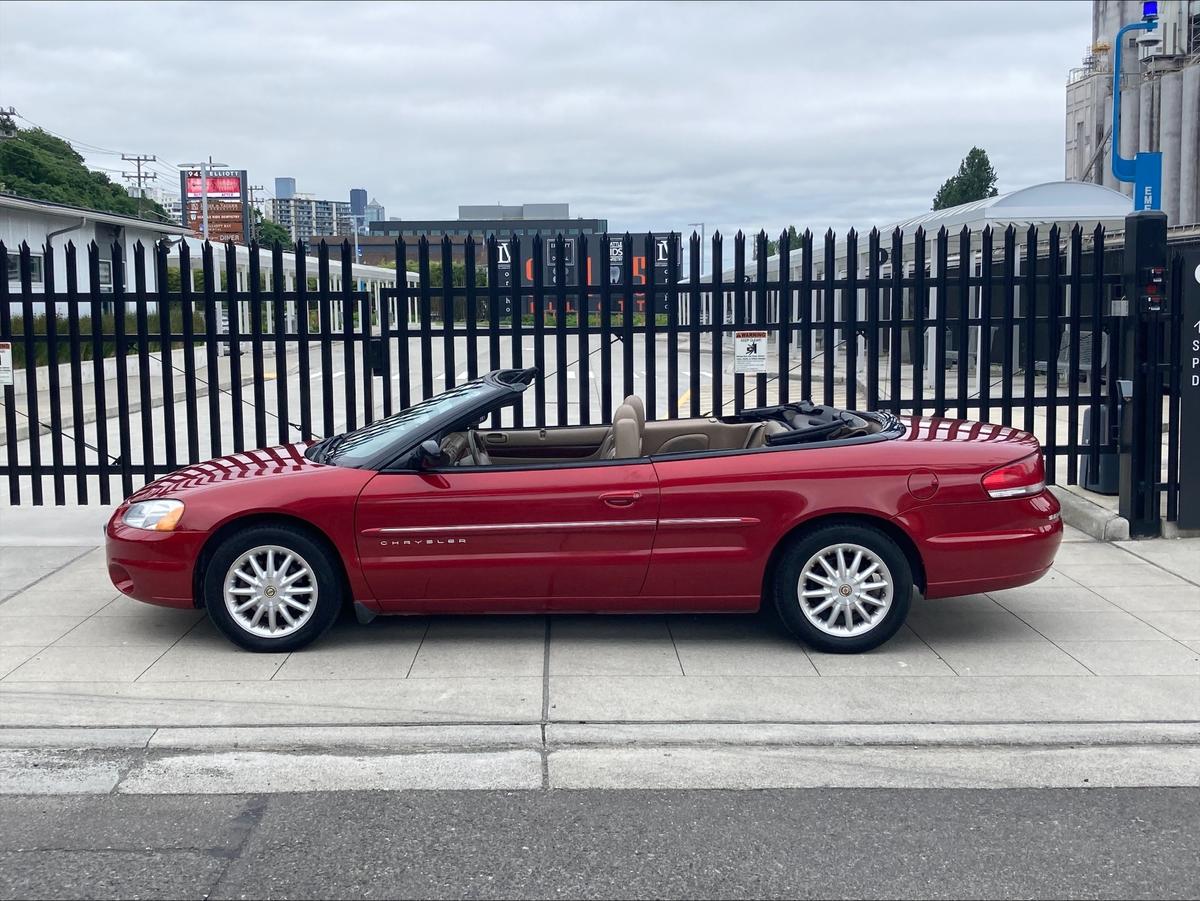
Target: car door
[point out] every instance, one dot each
(719, 519)
(507, 539)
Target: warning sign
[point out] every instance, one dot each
(749, 352)
(6, 376)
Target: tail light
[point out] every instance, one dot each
(1021, 479)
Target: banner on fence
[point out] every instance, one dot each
(6, 364)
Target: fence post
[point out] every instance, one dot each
(1186, 292)
(1144, 283)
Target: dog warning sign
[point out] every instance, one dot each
(749, 352)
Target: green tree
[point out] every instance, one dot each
(37, 165)
(175, 280)
(975, 180)
(793, 242)
(269, 233)
(458, 274)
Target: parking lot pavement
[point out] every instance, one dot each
(1112, 634)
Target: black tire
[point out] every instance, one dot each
(326, 574)
(804, 548)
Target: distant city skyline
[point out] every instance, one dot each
(738, 116)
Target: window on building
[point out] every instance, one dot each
(35, 268)
(106, 280)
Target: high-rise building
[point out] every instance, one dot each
(1160, 101)
(306, 218)
(358, 203)
(375, 211)
(285, 188)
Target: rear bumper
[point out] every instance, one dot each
(154, 567)
(988, 546)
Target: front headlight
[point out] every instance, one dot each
(159, 516)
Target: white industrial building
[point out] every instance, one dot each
(1160, 101)
(40, 223)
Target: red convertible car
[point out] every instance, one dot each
(833, 516)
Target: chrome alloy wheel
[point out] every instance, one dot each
(845, 590)
(270, 591)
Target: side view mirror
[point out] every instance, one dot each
(429, 455)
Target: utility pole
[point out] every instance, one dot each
(138, 177)
(255, 213)
(8, 128)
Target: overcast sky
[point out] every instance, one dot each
(738, 115)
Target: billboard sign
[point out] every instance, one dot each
(228, 203)
(639, 263)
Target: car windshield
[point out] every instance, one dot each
(355, 448)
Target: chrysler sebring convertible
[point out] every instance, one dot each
(834, 517)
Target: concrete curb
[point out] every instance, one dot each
(160, 771)
(555, 736)
(1090, 518)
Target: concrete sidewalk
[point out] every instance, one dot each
(1111, 635)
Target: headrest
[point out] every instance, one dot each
(639, 408)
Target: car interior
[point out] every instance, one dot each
(631, 436)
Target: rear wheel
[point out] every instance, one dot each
(272, 588)
(844, 588)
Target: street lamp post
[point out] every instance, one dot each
(1145, 169)
(353, 219)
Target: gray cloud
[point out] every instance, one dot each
(741, 115)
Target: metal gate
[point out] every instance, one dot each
(1021, 328)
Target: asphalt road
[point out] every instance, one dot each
(861, 843)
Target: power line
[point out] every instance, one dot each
(158, 166)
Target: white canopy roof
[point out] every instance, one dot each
(1054, 201)
(1062, 202)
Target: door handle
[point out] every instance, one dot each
(496, 438)
(621, 498)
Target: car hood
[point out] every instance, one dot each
(282, 460)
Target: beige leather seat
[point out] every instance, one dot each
(624, 440)
(639, 409)
(761, 431)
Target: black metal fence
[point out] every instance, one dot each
(115, 388)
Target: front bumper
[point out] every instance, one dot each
(154, 567)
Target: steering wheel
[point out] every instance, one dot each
(478, 455)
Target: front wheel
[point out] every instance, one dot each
(844, 588)
(272, 588)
